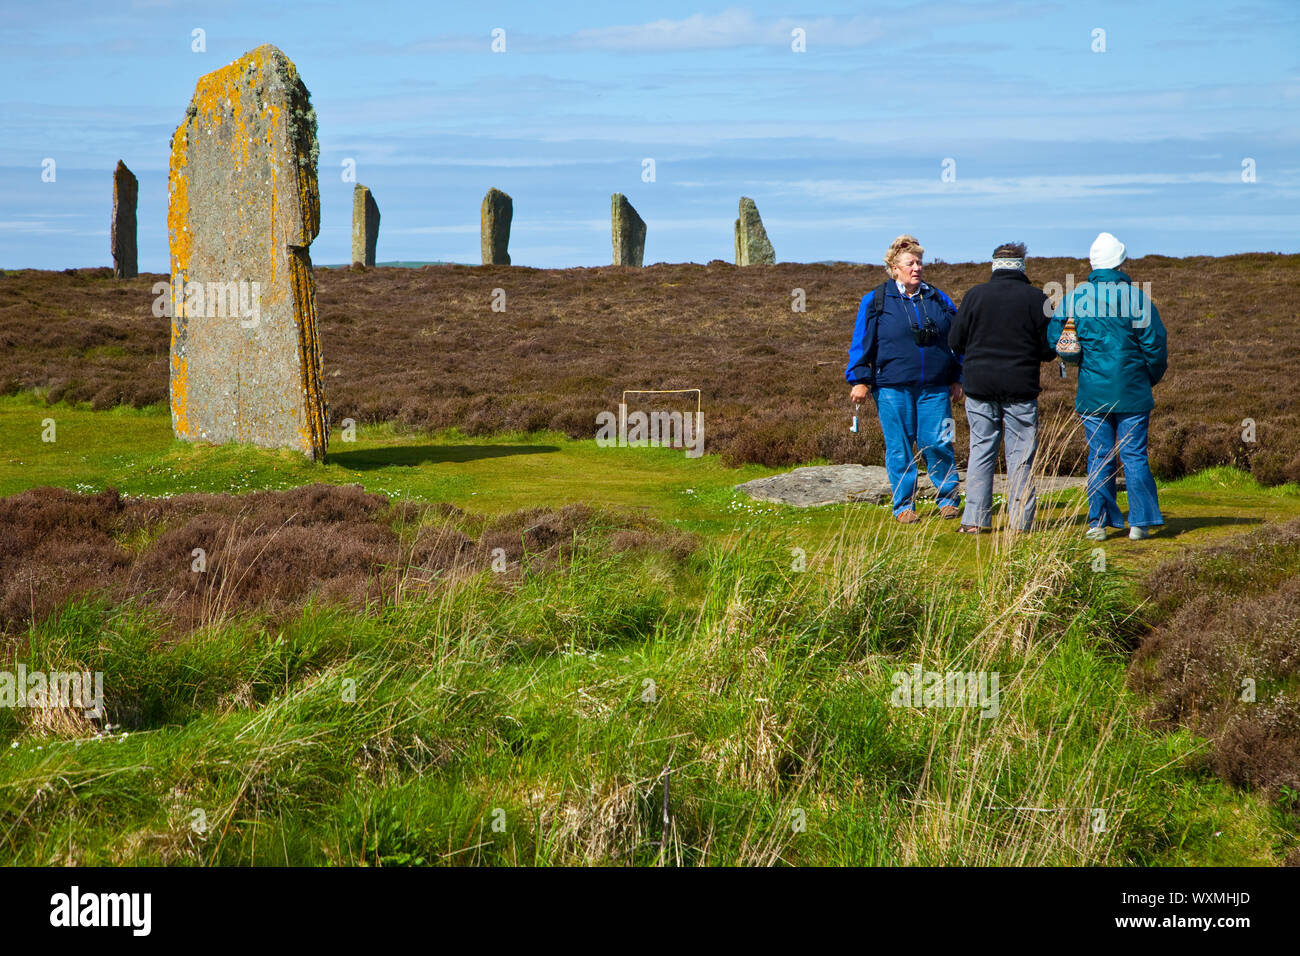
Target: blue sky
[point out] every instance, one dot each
(842, 146)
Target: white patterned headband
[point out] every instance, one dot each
(1009, 264)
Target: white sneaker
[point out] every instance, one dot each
(1138, 533)
(1096, 534)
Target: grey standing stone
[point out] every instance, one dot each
(126, 188)
(365, 226)
(494, 225)
(243, 209)
(628, 231)
(752, 245)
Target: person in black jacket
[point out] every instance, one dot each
(1001, 330)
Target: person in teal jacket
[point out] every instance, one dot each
(1122, 355)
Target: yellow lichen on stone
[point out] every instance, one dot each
(180, 395)
(235, 214)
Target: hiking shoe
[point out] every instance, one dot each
(948, 511)
(1138, 533)
(1096, 534)
(906, 517)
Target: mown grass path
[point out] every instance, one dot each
(134, 450)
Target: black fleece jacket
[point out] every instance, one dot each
(1001, 329)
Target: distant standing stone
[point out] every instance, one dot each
(365, 226)
(628, 230)
(244, 207)
(752, 245)
(122, 234)
(494, 218)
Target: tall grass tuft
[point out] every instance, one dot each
(725, 706)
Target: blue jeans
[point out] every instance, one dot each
(1128, 433)
(918, 416)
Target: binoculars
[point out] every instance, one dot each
(926, 334)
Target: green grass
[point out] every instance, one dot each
(401, 736)
(134, 450)
(535, 723)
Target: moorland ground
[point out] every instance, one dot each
(496, 645)
(424, 347)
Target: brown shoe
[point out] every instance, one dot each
(906, 517)
(973, 529)
(948, 511)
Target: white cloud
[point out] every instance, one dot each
(31, 227)
(734, 27)
(1017, 189)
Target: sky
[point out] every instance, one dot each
(1173, 125)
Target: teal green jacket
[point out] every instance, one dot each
(1122, 343)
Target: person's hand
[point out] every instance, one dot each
(859, 394)
(955, 392)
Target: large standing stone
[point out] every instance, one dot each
(628, 231)
(244, 207)
(122, 233)
(494, 225)
(365, 226)
(752, 245)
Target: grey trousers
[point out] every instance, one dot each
(991, 424)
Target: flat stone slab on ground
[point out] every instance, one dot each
(815, 485)
(821, 485)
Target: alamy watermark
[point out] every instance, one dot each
(918, 688)
(129, 910)
(62, 689)
(1125, 300)
(213, 300)
(655, 429)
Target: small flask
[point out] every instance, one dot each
(854, 426)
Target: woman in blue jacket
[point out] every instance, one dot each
(900, 353)
(1122, 354)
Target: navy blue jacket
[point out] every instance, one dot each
(884, 353)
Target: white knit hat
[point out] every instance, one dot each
(1107, 252)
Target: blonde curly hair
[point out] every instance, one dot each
(898, 247)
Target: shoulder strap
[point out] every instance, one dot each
(878, 300)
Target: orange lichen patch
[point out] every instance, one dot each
(180, 394)
(313, 433)
(178, 207)
(218, 99)
(221, 92)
